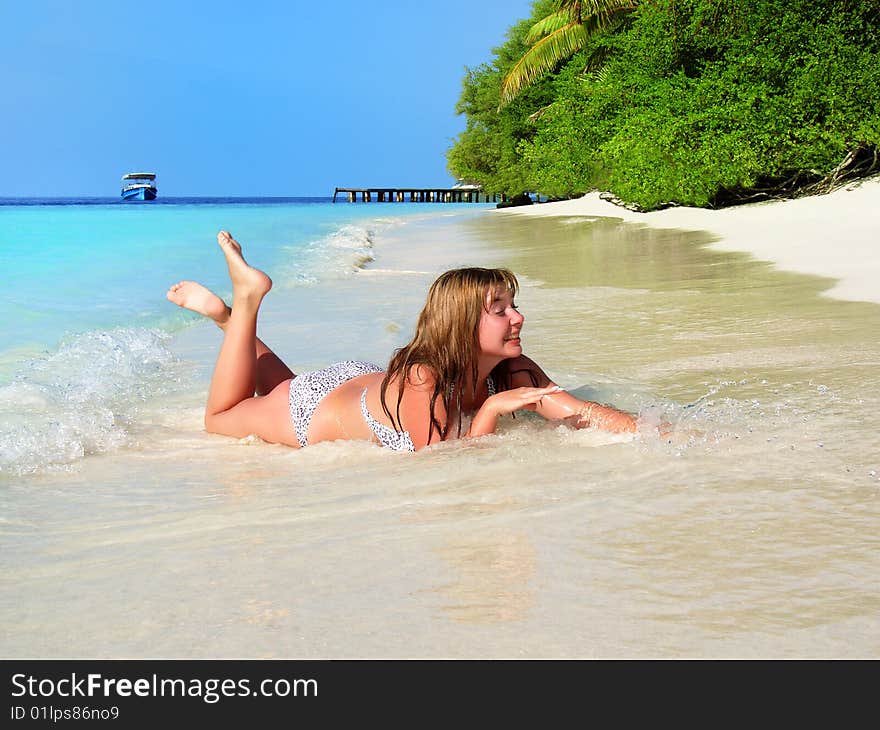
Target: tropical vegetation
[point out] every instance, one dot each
(665, 102)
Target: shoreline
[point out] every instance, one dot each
(537, 541)
(832, 235)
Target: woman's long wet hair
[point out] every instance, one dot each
(447, 340)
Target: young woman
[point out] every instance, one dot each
(465, 359)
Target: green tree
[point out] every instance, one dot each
(698, 102)
(488, 150)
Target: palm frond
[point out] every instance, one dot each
(548, 25)
(597, 59)
(535, 116)
(580, 10)
(599, 75)
(542, 57)
(559, 36)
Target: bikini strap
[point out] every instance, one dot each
(490, 386)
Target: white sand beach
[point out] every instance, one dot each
(831, 235)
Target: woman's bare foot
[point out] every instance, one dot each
(199, 299)
(248, 284)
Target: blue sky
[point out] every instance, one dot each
(236, 98)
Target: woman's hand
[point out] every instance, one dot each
(507, 401)
(518, 399)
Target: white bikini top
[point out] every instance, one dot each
(395, 440)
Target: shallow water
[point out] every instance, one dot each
(86, 322)
(752, 533)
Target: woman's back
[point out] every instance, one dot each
(338, 416)
(354, 410)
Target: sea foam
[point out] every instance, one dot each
(81, 399)
(340, 253)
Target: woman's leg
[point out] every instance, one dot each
(232, 409)
(191, 295)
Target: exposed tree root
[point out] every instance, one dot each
(859, 162)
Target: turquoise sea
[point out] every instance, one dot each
(84, 311)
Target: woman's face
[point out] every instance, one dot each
(500, 324)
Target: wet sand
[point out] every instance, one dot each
(832, 235)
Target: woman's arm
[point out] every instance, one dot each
(560, 405)
(585, 414)
(507, 401)
(415, 406)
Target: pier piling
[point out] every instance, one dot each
(461, 194)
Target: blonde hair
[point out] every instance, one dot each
(446, 339)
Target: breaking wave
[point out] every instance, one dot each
(81, 399)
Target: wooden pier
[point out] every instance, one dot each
(419, 195)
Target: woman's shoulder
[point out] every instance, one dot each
(524, 371)
(422, 376)
(521, 361)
